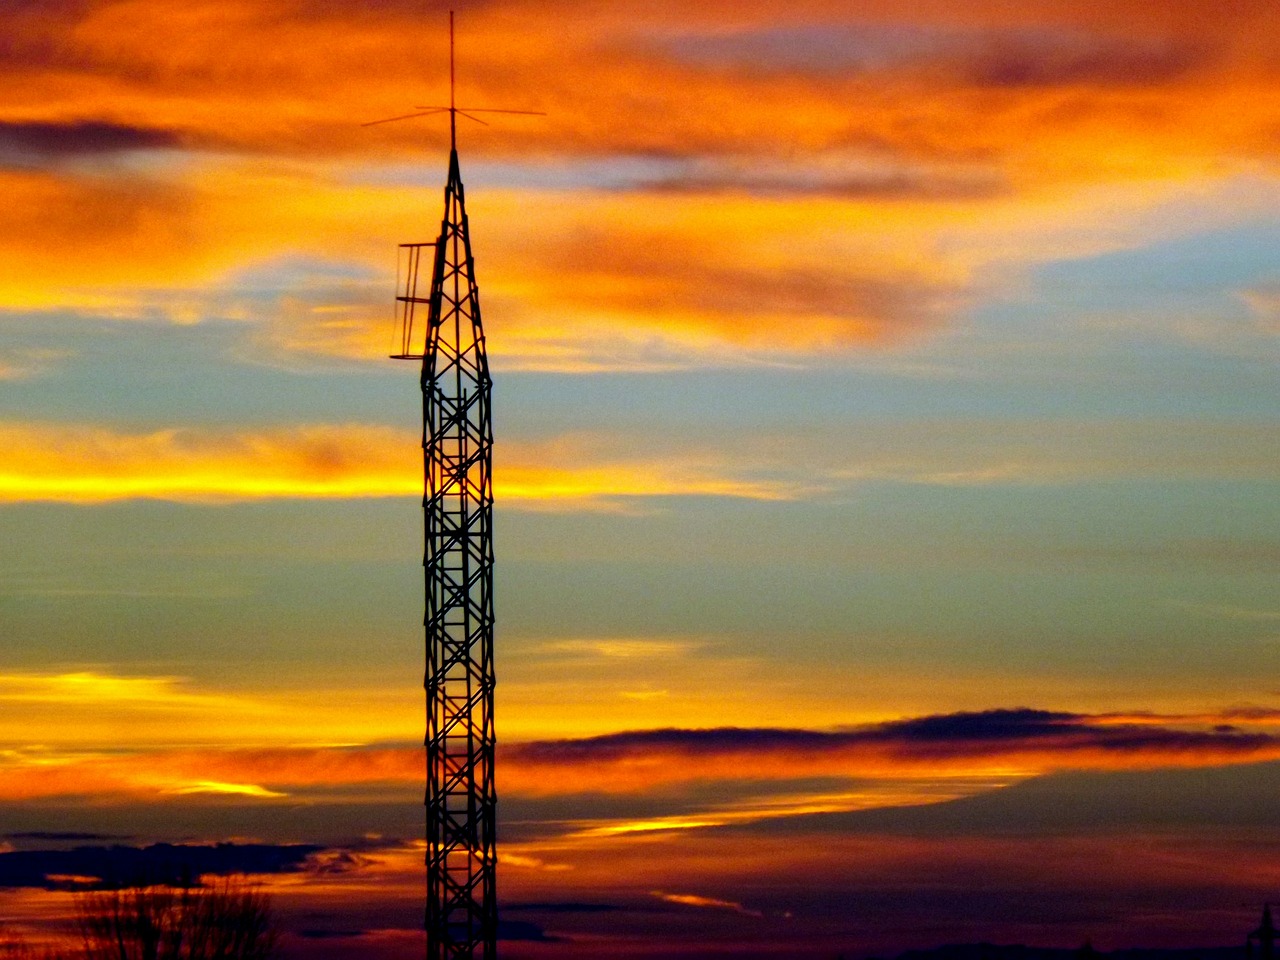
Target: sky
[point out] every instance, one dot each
(887, 458)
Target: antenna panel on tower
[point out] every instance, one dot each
(412, 324)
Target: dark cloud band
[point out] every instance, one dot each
(91, 867)
(954, 734)
(37, 141)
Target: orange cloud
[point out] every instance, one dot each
(1001, 743)
(779, 196)
(573, 280)
(626, 79)
(264, 774)
(606, 279)
(896, 763)
(696, 900)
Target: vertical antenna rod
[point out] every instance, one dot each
(453, 110)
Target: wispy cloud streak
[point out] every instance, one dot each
(969, 748)
(1013, 742)
(94, 464)
(86, 464)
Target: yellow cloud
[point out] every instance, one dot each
(44, 714)
(218, 788)
(625, 648)
(84, 464)
(696, 900)
(58, 462)
(97, 691)
(78, 463)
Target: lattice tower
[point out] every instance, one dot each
(457, 443)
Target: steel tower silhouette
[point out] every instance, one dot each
(457, 444)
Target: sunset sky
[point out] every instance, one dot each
(887, 463)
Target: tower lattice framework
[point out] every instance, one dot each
(457, 442)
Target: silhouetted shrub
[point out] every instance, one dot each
(227, 921)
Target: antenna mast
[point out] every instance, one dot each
(457, 445)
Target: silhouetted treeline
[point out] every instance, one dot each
(229, 920)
